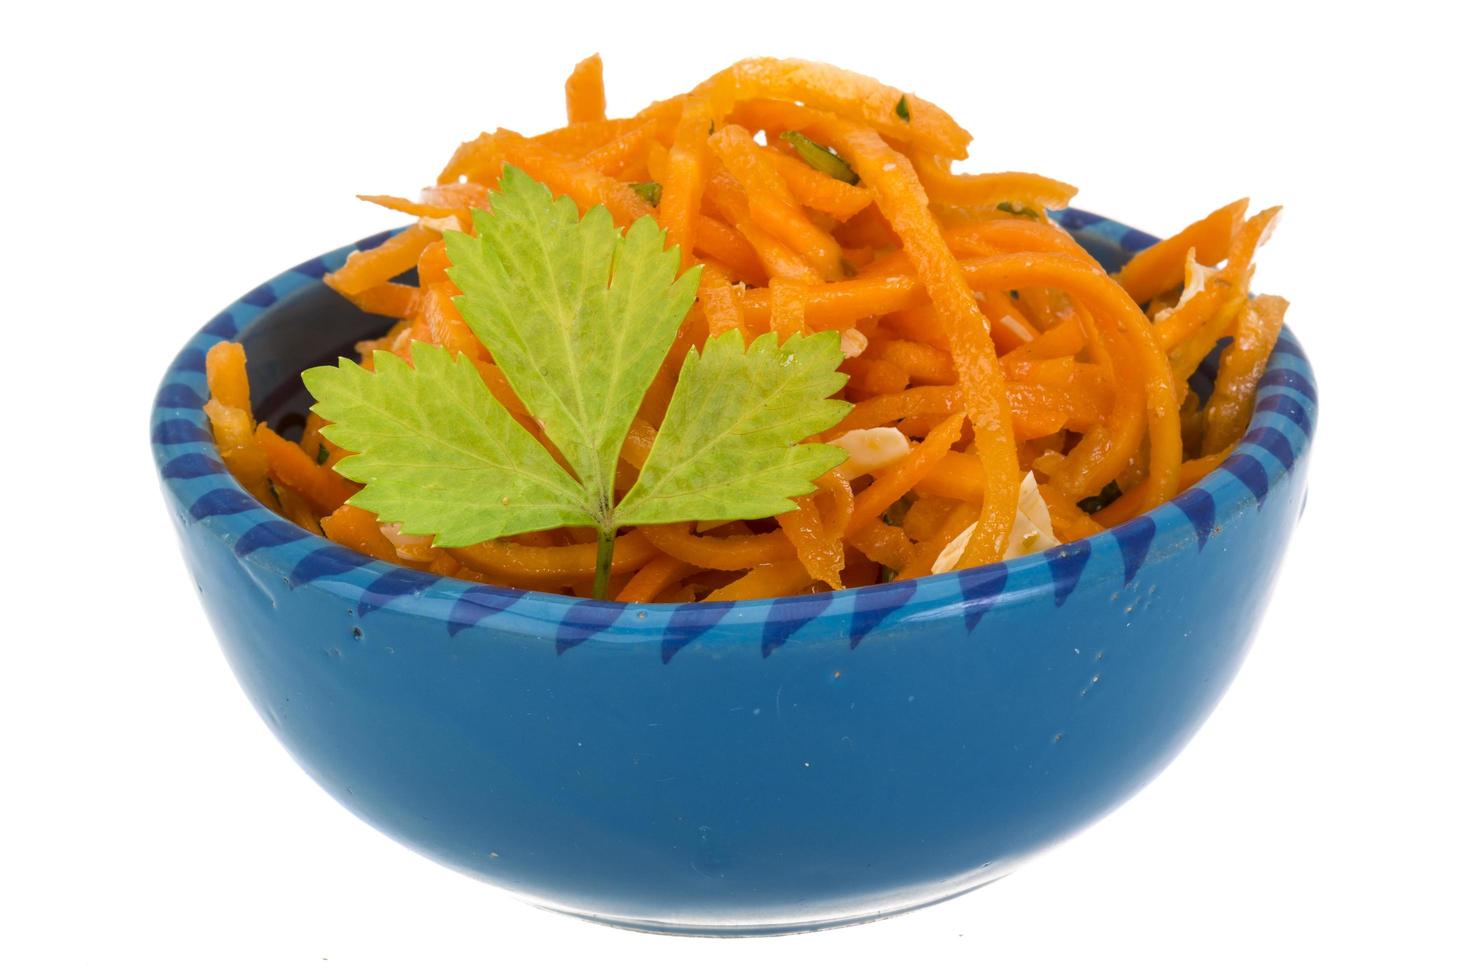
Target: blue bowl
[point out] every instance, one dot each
(728, 768)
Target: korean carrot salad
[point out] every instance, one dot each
(759, 339)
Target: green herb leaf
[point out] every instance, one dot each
(322, 454)
(725, 450)
(1022, 210)
(437, 453)
(902, 108)
(1105, 496)
(820, 158)
(578, 316)
(650, 190)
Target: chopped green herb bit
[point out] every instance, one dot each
(1022, 210)
(898, 510)
(820, 158)
(322, 455)
(902, 108)
(1105, 496)
(650, 190)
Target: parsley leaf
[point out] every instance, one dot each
(579, 349)
(436, 452)
(725, 451)
(579, 317)
(902, 109)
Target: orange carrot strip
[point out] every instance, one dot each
(1106, 297)
(1160, 267)
(558, 564)
(434, 266)
(883, 543)
(958, 476)
(729, 554)
(660, 573)
(224, 372)
(815, 189)
(290, 465)
(921, 561)
(586, 99)
(1241, 366)
(788, 307)
(717, 300)
(772, 206)
(899, 478)
(404, 206)
(574, 179)
(922, 363)
(687, 170)
(855, 96)
(817, 549)
(394, 299)
(763, 582)
(352, 527)
(622, 151)
(377, 265)
(900, 197)
(722, 243)
(988, 190)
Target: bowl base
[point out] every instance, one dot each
(740, 930)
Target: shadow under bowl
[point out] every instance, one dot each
(728, 768)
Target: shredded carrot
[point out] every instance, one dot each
(1159, 268)
(970, 321)
(586, 101)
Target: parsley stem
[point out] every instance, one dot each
(604, 561)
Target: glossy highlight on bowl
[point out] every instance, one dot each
(728, 768)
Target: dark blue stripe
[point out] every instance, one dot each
(585, 620)
(223, 325)
(176, 432)
(786, 616)
(391, 585)
(1073, 219)
(268, 535)
(373, 241)
(1289, 407)
(981, 587)
(190, 466)
(1066, 563)
(1248, 470)
(1288, 346)
(313, 268)
(688, 622)
(1199, 507)
(218, 503)
(1133, 540)
(329, 559)
(876, 603)
(1287, 378)
(1134, 240)
(189, 361)
(178, 395)
(262, 295)
(478, 603)
(1274, 442)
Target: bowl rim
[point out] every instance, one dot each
(201, 491)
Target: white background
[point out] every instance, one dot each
(158, 163)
